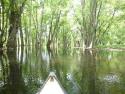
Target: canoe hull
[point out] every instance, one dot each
(52, 86)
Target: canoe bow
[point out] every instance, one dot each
(52, 86)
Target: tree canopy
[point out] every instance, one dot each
(62, 23)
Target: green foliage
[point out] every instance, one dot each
(100, 22)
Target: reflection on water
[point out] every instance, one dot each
(111, 78)
(90, 72)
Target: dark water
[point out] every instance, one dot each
(88, 72)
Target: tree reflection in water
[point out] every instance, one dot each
(14, 81)
(80, 72)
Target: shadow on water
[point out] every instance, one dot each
(80, 72)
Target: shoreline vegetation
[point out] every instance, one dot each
(108, 48)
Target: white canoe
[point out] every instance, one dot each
(52, 86)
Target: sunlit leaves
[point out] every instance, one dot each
(75, 15)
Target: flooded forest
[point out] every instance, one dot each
(81, 41)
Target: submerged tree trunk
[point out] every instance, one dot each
(93, 22)
(91, 31)
(89, 24)
(54, 26)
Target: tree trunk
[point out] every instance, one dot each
(49, 45)
(21, 33)
(2, 23)
(14, 26)
(90, 30)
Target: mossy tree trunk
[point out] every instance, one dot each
(14, 22)
(3, 23)
(14, 26)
